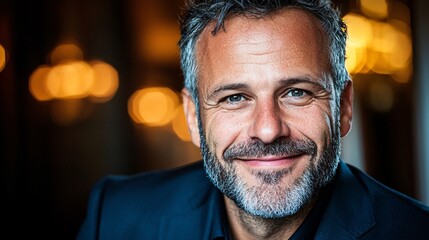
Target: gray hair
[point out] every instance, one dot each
(199, 13)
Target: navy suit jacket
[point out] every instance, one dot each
(183, 204)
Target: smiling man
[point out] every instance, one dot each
(267, 99)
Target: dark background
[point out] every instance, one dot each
(48, 169)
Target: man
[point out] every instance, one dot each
(267, 99)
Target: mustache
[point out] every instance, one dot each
(280, 147)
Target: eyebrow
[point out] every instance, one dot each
(282, 82)
(227, 87)
(320, 84)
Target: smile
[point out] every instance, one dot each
(271, 161)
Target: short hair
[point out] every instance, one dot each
(198, 14)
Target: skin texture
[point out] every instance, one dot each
(265, 79)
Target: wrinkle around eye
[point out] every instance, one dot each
(226, 104)
(207, 106)
(323, 95)
(308, 97)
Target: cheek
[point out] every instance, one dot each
(222, 130)
(315, 124)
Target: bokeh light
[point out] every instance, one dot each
(105, 83)
(2, 58)
(355, 59)
(179, 124)
(360, 31)
(66, 52)
(70, 80)
(161, 44)
(384, 37)
(37, 84)
(153, 106)
(401, 53)
(378, 44)
(70, 77)
(374, 8)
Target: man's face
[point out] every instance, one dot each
(270, 128)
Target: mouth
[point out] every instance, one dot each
(271, 161)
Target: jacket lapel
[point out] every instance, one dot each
(200, 218)
(349, 213)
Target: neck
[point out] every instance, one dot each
(247, 226)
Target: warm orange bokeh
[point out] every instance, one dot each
(106, 82)
(180, 125)
(70, 77)
(2, 58)
(153, 106)
(379, 46)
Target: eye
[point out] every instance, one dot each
(296, 93)
(234, 101)
(234, 98)
(297, 96)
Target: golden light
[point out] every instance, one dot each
(153, 106)
(355, 60)
(374, 8)
(180, 126)
(360, 30)
(376, 63)
(70, 77)
(159, 42)
(380, 42)
(403, 75)
(106, 82)
(70, 80)
(66, 52)
(401, 53)
(2, 58)
(37, 84)
(384, 37)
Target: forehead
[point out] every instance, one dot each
(290, 39)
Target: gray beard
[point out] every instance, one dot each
(270, 198)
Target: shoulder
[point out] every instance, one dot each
(154, 187)
(387, 197)
(131, 207)
(396, 215)
(159, 178)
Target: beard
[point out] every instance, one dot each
(270, 198)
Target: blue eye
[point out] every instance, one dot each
(234, 101)
(296, 93)
(235, 98)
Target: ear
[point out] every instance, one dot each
(191, 116)
(346, 108)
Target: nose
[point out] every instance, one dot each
(267, 124)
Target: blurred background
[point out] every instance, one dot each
(90, 88)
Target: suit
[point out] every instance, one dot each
(183, 204)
